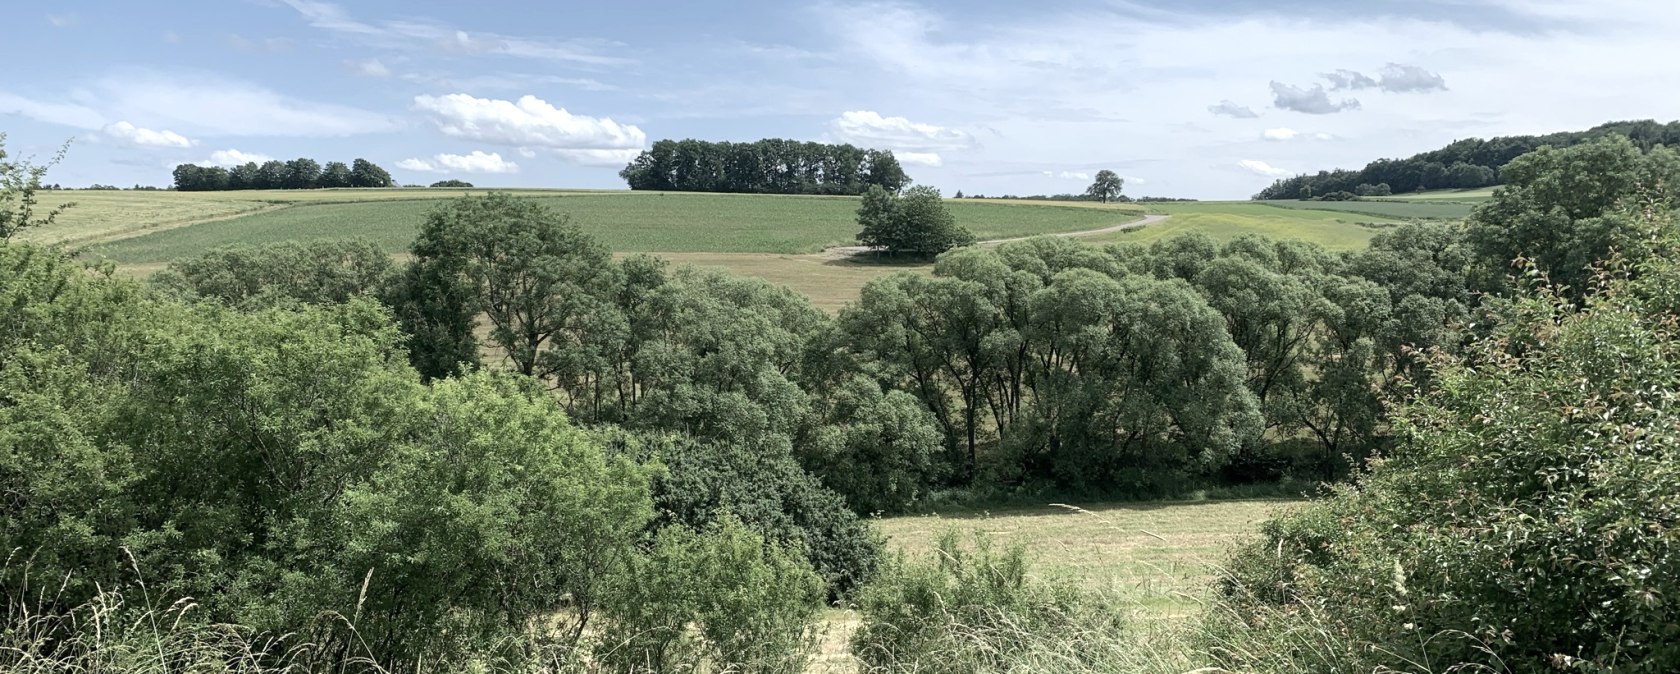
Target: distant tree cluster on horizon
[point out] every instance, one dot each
(297, 174)
(1464, 164)
(769, 166)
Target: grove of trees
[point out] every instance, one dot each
(769, 166)
(914, 223)
(1467, 163)
(297, 174)
(518, 452)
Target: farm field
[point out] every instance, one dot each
(1477, 195)
(626, 222)
(1403, 210)
(1227, 220)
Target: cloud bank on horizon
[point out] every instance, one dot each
(992, 97)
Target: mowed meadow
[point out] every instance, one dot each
(775, 237)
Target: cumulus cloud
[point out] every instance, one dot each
(869, 129)
(1258, 167)
(920, 158)
(614, 158)
(476, 162)
(1314, 101)
(1280, 134)
(1349, 79)
(1395, 78)
(1398, 78)
(137, 136)
(371, 68)
(230, 158)
(1228, 108)
(528, 122)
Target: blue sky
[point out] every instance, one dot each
(1197, 98)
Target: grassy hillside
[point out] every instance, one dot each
(651, 222)
(1439, 209)
(1226, 220)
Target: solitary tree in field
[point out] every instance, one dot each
(1107, 186)
(915, 223)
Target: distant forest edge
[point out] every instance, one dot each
(297, 174)
(1464, 164)
(769, 166)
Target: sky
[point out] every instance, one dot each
(1190, 98)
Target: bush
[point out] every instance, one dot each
(452, 183)
(316, 272)
(724, 596)
(971, 608)
(1526, 519)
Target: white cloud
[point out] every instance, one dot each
(612, 158)
(428, 35)
(205, 105)
(529, 122)
(370, 67)
(1229, 108)
(135, 135)
(1280, 134)
(869, 129)
(477, 162)
(68, 114)
(1314, 101)
(1068, 175)
(1258, 167)
(230, 158)
(63, 20)
(919, 158)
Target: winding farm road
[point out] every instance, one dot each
(1145, 221)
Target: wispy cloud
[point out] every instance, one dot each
(368, 67)
(1395, 78)
(63, 20)
(1314, 101)
(139, 137)
(1261, 168)
(869, 129)
(424, 34)
(1229, 108)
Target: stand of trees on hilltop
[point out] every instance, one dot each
(1464, 164)
(769, 166)
(297, 174)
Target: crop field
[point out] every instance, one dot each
(1162, 554)
(1477, 195)
(1403, 210)
(1227, 220)
(626, 222)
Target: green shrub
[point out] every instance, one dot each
(723, 596)
(1525, 522)
(315, 272)
(971, 608)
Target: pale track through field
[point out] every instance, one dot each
(840, 252)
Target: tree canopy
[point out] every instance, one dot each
(769, 166)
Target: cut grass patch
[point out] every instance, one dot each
(1165, 555)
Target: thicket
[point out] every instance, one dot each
(297, 174)
(769, 166)
(669, 469)
(1463, 164)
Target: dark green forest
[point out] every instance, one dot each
(629, 467)
(297, 174)
(769, 166)
(1463, 164)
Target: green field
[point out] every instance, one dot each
(1403, 210)
(1226, 220)
(624, 221)
(1477, 195)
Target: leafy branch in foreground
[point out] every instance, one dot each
(19, 181)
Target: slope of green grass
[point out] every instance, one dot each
(1402, 210)
(1477, 195)
(719, 223)
(1227, 220)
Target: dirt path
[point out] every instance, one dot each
(840, 252)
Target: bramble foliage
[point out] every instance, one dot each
(722, 596)
(970, 607)
(1525, 521)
